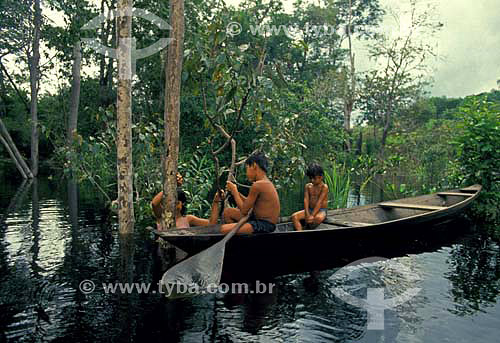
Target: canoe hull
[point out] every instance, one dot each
(298, 250)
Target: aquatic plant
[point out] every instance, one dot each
(338, 179)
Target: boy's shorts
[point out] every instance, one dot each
(261, 225)
(311, 210)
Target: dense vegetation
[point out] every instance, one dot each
(295, 95)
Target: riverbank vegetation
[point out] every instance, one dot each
(296, 94)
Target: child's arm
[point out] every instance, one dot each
(322, 196)
(156, 205)
(244, 204)
(306, 201)
(214, 214)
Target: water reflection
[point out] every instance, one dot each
(474, 274)
(53, 239)
(126, 302)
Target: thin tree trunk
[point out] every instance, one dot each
(18, 92)
(75, 95)
(9, 143)
(109, 70)
(124, 119)
(14, 153)
(350, 89)
(34, 76)
(104, 76)
(385, 132)
(102, 57)
(11, 153)
(172, 111)
(359, 145)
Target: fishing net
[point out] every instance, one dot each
(200, 273)
(196, 274)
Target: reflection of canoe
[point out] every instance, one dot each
(342, 230)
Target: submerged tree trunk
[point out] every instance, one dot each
(172, 111)
(13, 152)
(75, 94)
(34, 81)
(5, 137)
(124, 118)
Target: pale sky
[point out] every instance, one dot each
(468, 45)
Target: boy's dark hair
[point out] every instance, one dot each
(313, 170)
(181, 196)
(260, 159)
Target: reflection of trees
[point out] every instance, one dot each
(11, 295)
(474, 275)
(125, 310)
(35, 227)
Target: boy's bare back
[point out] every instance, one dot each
(267, 204)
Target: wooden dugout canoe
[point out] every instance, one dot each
(341, 232)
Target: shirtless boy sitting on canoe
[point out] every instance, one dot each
(315, 199)
(263, 198)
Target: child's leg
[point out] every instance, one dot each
(232, 215)
(319, 218)
(246, 228)
(296, 218)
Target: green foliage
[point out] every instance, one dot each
(294, 88)
(338, 179)
(422, 154)
(298, 128)
(478, 153)
(199, 174)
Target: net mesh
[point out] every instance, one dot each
(198, 272)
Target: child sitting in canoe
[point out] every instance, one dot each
(263, 198)
(181, 219)
(184, 221)
(156, 202)
(315, 199)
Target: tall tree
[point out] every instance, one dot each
(402, 67)
(360, 19)
(124, 118)
(173, 72)
(34, 61)
(350, 89)
(75, 94)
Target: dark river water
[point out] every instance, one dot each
(55, 240)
